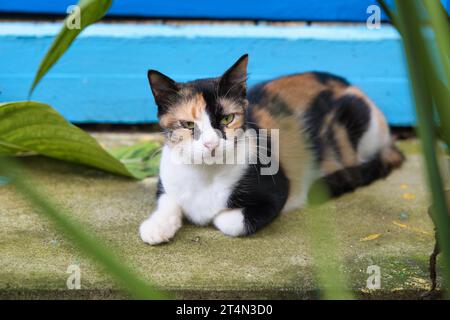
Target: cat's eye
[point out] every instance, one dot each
(227, 119)
(188, 124)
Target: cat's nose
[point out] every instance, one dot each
(210, 145)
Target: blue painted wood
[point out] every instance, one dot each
(446, 4)
(102, 78)
(330, 10)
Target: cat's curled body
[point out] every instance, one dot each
(326, 130)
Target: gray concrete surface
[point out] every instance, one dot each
(385, 224)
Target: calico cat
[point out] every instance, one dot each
(327, 130)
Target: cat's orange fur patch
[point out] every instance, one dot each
(297, 100)
(190, 109)
(346, 150)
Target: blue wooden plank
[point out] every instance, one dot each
(330, 10)
(446, 4)
(102, 78)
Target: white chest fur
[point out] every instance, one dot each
(202, 191)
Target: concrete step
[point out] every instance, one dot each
(385, 224)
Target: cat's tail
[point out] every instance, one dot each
(348, 179)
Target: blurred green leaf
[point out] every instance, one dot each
(389, 11)
(28, 126)
(80, 234)
(322, 233)
(434, 33)
(90, 12)
(141, 159)
(423, 42)
(438, 51)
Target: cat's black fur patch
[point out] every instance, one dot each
(256, 93)
(278, 108)
(354, 113)
(349, 179)
(325, 77)
(262, 197)
(159, 189)
(262, 200)
(349, 110)
(322, 104)
(274, 104)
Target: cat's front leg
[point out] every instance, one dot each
(231, 222)
(162, 224)
(245, 221)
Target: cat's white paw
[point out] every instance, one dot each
(156, 230)
(231, 222)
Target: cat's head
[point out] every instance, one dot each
(204, 116)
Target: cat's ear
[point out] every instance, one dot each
(164, 89)
(234, 81)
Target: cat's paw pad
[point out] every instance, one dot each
(155, 231)
(231, 223)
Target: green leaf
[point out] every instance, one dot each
(29, 126)
(389, 12)
(324, 245)
(141, 159)
(90, 12)
(421, 50)
(438, 48)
